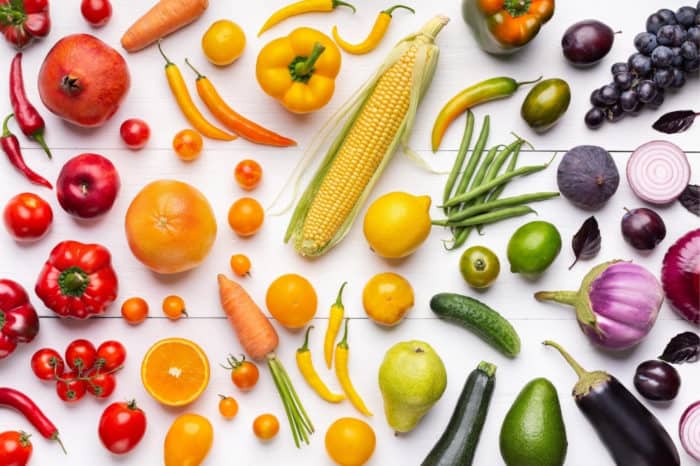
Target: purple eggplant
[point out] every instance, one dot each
(632, 434)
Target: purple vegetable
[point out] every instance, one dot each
(617, 304)
(643, 228)
(689, 430)
(658, 172)
(657, 381)
(680, 275)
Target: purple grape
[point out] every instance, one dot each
(595, 118)
(658, 100)
(689, 51)
(645, 42)
(643, 228)
(623, 81)
(615, 113)
(654, 23)
(621, 67)
(609, 94)
(677, 58)
(691, 66)
(657, 380)
(694, 34)
(678, 78)
(663, 78)
(686, 16)
(662, 57)
(640, 64)
(646, 90)
(667, 16)
(680, 34)
(629, 100)
(666, 35)
(596, 100)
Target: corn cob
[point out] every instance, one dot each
(376, 120)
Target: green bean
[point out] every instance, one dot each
(497, 204)
(489, 217)
(495, 167)
(461, 155)
(479, 177)
(509, 169)
(499, 180)
(475, 157)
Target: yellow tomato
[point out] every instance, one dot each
(223, 42)
(188, 441)
(228, 407)
(292, 300)
(387, 297)
(266, 426)
(350, 442)
(246, 216)
(188, 144)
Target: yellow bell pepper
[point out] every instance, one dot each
(299, 70)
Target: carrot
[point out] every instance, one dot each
(255, 333)
(165, 17)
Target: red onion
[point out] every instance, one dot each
(617, 304)
(680, 275)
(658, 172)
(689, 430)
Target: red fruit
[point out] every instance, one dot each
(27, 217)
(47, 364)
(87, 185)
(110, 356)
(96, 12)
(135, 133)
(122, 426)
(81, 356)
(101, 385)
(15, 448)
(83, 80)
(70, 388)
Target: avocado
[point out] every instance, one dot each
(533, 431)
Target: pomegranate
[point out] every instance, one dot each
(83, 80)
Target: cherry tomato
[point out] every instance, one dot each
(174, 307)
(81, 356)
(240, 264)
(244, 374)
(101, 385)
(121, 427)
(135, 310)
(228, 407)
(47, 364)
(134, 131)
(248, 174)
(27, 217)
(70, 388)
(96, 12)
(246, 216)
(15, 448)
(479, 266)
(110, 356)
(188, 144)
(266, 426)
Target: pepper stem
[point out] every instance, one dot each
(563, 297)
(580, 371)
(38, 136)
(60, 443)
(6, 133)
(344, 342)
(73, 281)
(305, 66)
(524, 83)
(517, 7)
(305, 346)
(199, 75)
(167, 60)
(337, 3)
(339, 298)
(390, 10)
(3, 319)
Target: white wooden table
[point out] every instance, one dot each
(430, 270)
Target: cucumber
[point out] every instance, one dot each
(458, 442)
(480, 319)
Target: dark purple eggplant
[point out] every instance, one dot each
(632, 434)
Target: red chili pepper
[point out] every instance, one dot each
(22, 403)
(10, 146)
(21, 21)
(19, 322)
(30, 121)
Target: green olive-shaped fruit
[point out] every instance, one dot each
(546, 103)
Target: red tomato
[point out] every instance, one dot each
(135, 132)
(110, 355)
(81, 355)
(27, 217)
(248, 174)
(122, 426)
(15, 448)
(70, 388)
(96, 12)
(47, 364)
(101, 385)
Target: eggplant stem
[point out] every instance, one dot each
(580, 371)
(563, 297)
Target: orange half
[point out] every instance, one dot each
(175, 371)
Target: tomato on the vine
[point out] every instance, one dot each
(81, 355)
(121, 427)
(27, 217)
(96, 12)
(15, 448)
(70, 388)
(244, 374)
(47, 364)
(248, 174)
(135, 133)
(101, 385)
(110, 356)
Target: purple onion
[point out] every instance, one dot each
(617, 304)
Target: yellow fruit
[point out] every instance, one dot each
(223, 42)
(291, 299)
(387, 297)
(350, 442)
(397, 223)
(175, 371)
(188, 441)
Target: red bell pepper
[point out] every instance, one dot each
(18, 320)
(77, 280)
(21, 21)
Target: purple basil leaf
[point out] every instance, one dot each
(690, 199)
(675, 122)
(684, 347)
(586, 242)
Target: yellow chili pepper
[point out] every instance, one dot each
(306, 367)
(299, 70)
(375, 36)
(342, 352)
(335, 318)
(301, 7)
(186, 104)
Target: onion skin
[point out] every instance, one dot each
(680, 274)
(689, 430)
(616, 306)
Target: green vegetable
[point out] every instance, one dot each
(533, 247)
(490, 217)
(458, 442)
(475, 157)
(545, 104)
(533, 431)
(495, 204)
(479, 266)
(461, 155)
(476, 316)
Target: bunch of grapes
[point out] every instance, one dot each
(667, 52)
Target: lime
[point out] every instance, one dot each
(533, 247)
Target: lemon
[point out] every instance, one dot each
(397, 223)
(223, 42)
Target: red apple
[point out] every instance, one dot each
(87, 185)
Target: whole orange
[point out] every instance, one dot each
(170, 226)
(246, 216)
(291, 299)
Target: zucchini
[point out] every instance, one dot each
(476, 316)
(458, 442)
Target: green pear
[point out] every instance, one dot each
(412, 379)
